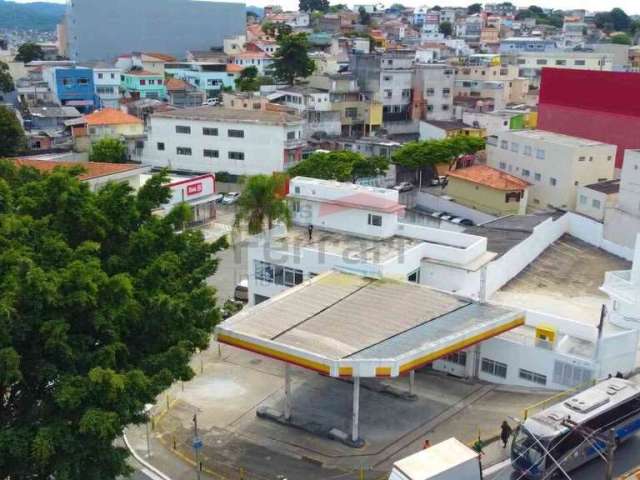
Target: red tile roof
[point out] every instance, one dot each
(111, 116)
(233, 68)
(160, 56)
(175, 84)
(489, 177)
(92, 169)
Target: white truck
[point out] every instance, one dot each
(448, 460)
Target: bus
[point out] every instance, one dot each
(572, 432)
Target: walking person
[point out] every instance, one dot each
(310, 230)
(505, 433)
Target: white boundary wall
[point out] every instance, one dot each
(592, 232)
(439, 204)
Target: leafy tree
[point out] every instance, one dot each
(446, 29)
(338, 7)
(28, 52)
(437, 8)
(109, 150)
(12, 138)
(6, 82)
(277, 29)
(313, 5)
(363, 16)
(415, 155)
(536, 10)
(474, 8)
(342, 166)
(621, 21)
(248, 80)
(102, 304)
(261, 202)
(621, 39)
(292, 60)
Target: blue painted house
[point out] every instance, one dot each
(72, 86)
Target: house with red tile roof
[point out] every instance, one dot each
(488, 189)
(183, 94)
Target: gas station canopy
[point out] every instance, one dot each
(346, 325)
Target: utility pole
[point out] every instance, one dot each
(611, 448)
(197, 444)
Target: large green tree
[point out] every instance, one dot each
(262, 203)
(416, 155)
(291, 60)
(621, 39)
(28, 52)
(110, 150)
(6, 82)
(474, 8)
(102, 303)
(12, 138)
(446, 29)
(313, 5)
(341, 166)
(247, 81)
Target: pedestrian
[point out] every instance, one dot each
(426, 444)
(619, 375)
(505, 433)
(310, 230)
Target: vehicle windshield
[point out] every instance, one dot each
(526, 453)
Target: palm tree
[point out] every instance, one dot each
(261, 201)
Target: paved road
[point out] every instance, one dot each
(627, 457)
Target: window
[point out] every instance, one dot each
(67, 82)
(406, 93)
(527, 150)
(446, 92)
(570, 375)
(159, 81)
(236, 156)
(538, 177)
(579, 63)
(414, 276)
(183, 151)
(210, 153)
(583, 199)
(553, 181)
(143, 82)
(515, 147)
(388, 94)
(445, 108)
(561, 62)
(160, 146)
(497, 369)
(210, 132)
(595, 203)
(429, 108)
(83, 81)
(277, 274)
(582, 159)
(387, 78)
(503, 166)
(235, 133)
(541, 61)
(540, 154)
(100, 76)
(351, 112)
(525, 172)
(504, 145)
(295, 206)
(291, 135)
(183, 129)
(532, 377)
(152, 82)
(459, 358)
(375, 220)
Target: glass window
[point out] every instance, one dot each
(527, 150)
(540, 154)
(430, 92)
(351, 112)
(160, 146)
(515, 147)
(388, 94)
(236, 156)
(525, 172)
(503, 166)
(375, 220)
(497, 369)
(532, 377)
(595, 203)
(459, 358)
(143, 82)
(278, 275)
(183, 151)
(210, 132)
(210, 153)
(582, 159)
(561, 62)
(541, 61)
(553, 181)
(183, 129)
(583, 199)
(414, 276)
(504, 145)
(406, 93)
(235, 133)
(291, 135)
(579, 62)
(538, 177)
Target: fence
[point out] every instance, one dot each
(536, 407)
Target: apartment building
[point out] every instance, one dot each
(555, 165)
(497, 81)
(213, 139)
(107, 84)
(433, 92)
(622, 223)
(530, 64)
(143, 84)
(71, 86)
(387, 78)
(516, 45)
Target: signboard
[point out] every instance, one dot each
(194, 188)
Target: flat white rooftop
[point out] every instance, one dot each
(347, 325)
(556, 138)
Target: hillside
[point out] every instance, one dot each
(30, 16)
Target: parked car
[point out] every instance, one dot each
(212, 102)
(404, 187)
(437, 214)
(241, 292)
(462, 221)
(230, 198)
(446, 216)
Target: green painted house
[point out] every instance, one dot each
(143, 84)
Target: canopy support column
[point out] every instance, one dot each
(356, 409)
(287, 391)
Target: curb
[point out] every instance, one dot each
(142, 461)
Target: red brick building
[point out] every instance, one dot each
(602, 106)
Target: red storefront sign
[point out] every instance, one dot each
(194, 189)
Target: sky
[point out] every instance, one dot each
(629, 6)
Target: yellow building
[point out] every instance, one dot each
(438, 130)
(112, 123)
(488, 190)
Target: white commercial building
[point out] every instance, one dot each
(213, 139)
(531, 64)
(358, 230)
(555, 165)
(622, 222)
